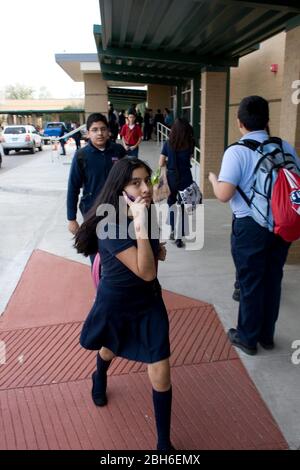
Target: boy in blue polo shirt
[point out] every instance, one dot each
(259, 254)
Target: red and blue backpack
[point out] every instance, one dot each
(275, 193)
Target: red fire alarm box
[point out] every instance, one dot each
(274, 68)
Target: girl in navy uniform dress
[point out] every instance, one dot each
(128, 318)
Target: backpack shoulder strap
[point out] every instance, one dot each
(80, 155)
(246, 199)
(252, 145)
(249, 143)
(274, 140)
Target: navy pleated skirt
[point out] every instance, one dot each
(131, 322)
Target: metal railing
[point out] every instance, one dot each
(65, 136)
(163, 134)
(196, 165)
(55, 140)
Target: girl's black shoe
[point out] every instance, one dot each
(169, 448)
(99, 397)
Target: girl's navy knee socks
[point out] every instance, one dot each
(99, 378)
(162, 402)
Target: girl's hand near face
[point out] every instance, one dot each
(138, 210)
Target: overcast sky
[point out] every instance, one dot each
(33, 31)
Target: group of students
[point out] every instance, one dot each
(130, 127)
(129, 318)
(150, 121)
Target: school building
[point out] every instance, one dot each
(199, 58)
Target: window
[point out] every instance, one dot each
(187, 100)
(53, 125)
(15, 130)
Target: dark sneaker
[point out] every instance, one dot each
(99, 398)
(172, 236)
(267, 346)
(168, 448)
(235, 341)
(236, 295)
(179, 243)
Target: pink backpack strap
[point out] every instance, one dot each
(96, 270)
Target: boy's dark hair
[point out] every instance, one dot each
(96, 117)
(131, 111)
(253, 113)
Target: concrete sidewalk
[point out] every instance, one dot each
(32, 213)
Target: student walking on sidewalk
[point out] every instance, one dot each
(128, 318)
(90, 167)
(132, 135)
(259, 254)
(176, 154)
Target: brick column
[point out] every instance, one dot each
(213, 120)
(290, 106)
(158, 97)
(96, 98)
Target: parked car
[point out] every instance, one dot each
(21, 137)
(1, 152)
(53, 129)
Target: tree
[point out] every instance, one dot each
(43, 93)
(69, 116)
(18, 92)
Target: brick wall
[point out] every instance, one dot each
(233, 131)
(253, 77)
(213, 100)
(96, 99)
(159, 97)
(290, 118)
(290, 121)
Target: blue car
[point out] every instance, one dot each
(53, 129)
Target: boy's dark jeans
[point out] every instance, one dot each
(259, 257)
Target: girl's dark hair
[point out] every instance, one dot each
(86, 240)
(181, 135)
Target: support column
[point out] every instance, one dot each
(178, 101)
(196, 109)
(96, 97)
(158, 97)
(290, 106)
(214, 87)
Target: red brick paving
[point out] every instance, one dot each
(45, 384)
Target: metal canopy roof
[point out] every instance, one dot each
(167, 41)
(123, 98)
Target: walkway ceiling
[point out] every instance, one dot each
(123, 98)
(169, 41)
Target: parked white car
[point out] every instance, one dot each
(1, 152)
(21, 137)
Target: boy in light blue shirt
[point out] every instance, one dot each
(259, 254)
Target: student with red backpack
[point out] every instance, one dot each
(261, 178)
